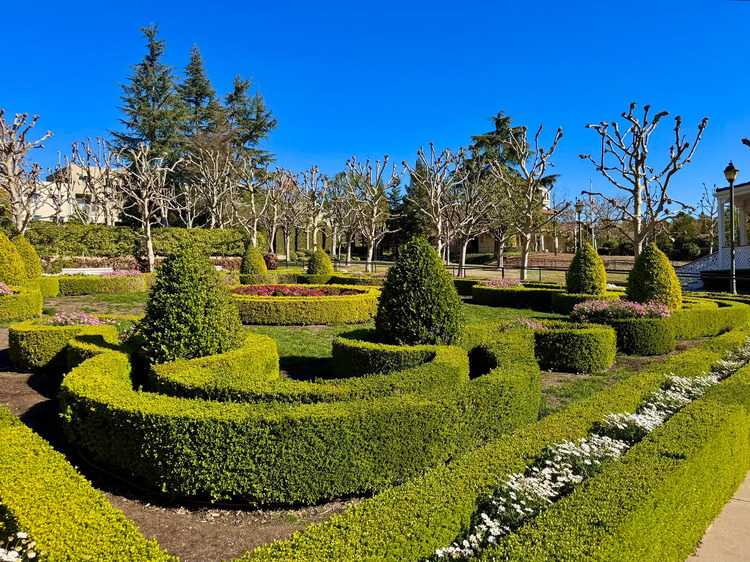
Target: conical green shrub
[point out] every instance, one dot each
(253, 262)
(190, 312)
(653, 279)
(586, 274)
(319, 264)
(31, 262)
(12, 270)
(419, 303)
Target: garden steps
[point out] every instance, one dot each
(728, 537)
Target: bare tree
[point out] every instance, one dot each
(251, 201)
(526, 186)
(709, 214)
(101, 176)
(18, 177)
(60, 193)
(146, 192)
(367, 188)
(291, 204)
(215, 174)
(437, 176)
(622, 160)
(315, 189)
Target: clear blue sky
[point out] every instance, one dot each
(369, 78)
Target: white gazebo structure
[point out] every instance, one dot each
(741, 248)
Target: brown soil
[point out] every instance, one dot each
(195, 532)
(68, 305)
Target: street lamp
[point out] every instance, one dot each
(579, 210)
(730, 172)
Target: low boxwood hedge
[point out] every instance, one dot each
(409, 522)
(644, 336)
(71, 285)
(24, 303)
(355, 355)
(563, 303)
(347, 309)
(368, 281)
(700, 317)
(517, 297)
(48, 286)
(43, 495)
(464, 286)
(314, 279)
(575, 348)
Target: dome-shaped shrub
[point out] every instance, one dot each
(419, 303)
(31, 262)
(653, 279)
(319, 264)
(586, 273)
(12, 270)
(253, 262)
(190, 312)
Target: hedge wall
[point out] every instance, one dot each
(42, 494)
(71, 285)
(348, 309)
(295, 443)
(48, 286)
(575, 348)
(409, 522)
(464, 286)
(355, 355)
(701, 317)
(368, 281)
(644, 336)
(24, 303)
(563, 303)
(519, 297)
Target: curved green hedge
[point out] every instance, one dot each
(644, 336)
(517, 297)
(35, 347)
(355, 356)
(348, 309)
(48, 286)
(563, 303)
(575, 348)
(42, 494)
(24, 303)
(701, 317)
(408, 523)
(314, 278)
(72, 285)
(298, 441)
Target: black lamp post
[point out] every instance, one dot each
(730, 172)
(579, 210)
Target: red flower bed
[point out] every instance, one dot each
(291, 291)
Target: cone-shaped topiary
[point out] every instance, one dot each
(190, 312)
(253, 262)
(31, 262)
(419, 303)
(319, 264)
(653, 279)
(12, 270)
(586, 274)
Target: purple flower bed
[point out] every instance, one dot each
(601, 311)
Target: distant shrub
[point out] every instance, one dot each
(320, 264)
(272, 262)
(190, 312)
(653, 279)
(12, 270)
(31, 262)
(586, 274)
(419, 303)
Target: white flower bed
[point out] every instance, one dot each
(522, 496)
(18, 548)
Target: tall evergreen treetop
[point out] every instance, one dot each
(198, 95)
(153, 111)
(251, 118)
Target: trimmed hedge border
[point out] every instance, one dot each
(42, 494)
(644, 336)
(296, 442)
(575, 348)
(75, 285)
(519, 297)
(464, 286)
(24, 303)
(342, 279)
(314, 279)
(563, 303)
(354, 355)
(282, 311)
(48, 286)
(409, 522)
(700, 317)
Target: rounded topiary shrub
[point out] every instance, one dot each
(31, 262)
(12, 270)
(586, 273)
(419, 303)
(653, 279)
(253, 262)
(190, 312)
(319, 264)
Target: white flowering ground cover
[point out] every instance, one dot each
(17, 548)
(520, 497)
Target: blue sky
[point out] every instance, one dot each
(369, 78)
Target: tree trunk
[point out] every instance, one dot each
(287, 248)
(499, 253)
(370, 251)
(149, 248)
(525, 247)
(462, 263)
(348, 249)
(334, 243)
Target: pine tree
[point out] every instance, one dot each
(198, 95)
(153, 111)
(251, 119)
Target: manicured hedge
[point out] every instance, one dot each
(369, 281)
(48, 286)
(71, 285)
(701, 317)
(464, 286)
(292, 442)
(409, 522)
(654, 503)
(43, 495)
(348, 309)
(314, 279)
(644, 336)
(36, 347)
(518, 297)
(563, 303)
(24, 303)
(355, 356)
(575, 348)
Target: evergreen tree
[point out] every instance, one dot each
(153, 111)
(251, 119)
(198, 95)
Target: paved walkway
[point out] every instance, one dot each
(728, 537)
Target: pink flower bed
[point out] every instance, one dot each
(79, 318)
(291, 291)
(601, 311)
(122, 273)
(501, 283)
(4, 289)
